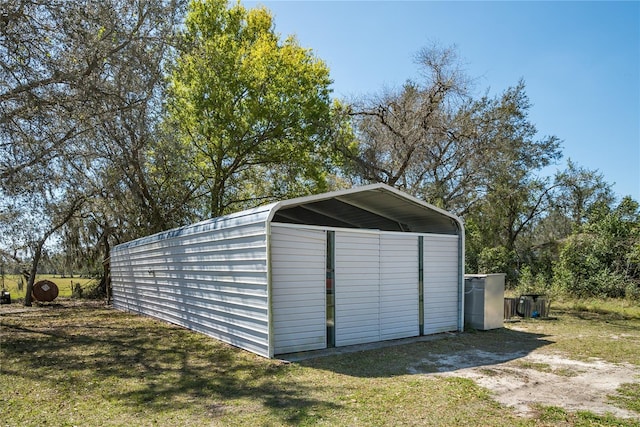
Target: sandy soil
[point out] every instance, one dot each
(520, 380)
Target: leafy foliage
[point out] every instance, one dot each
(122, 118)
(251, 111)
(600, 259)
(79, 89)
(481, 158)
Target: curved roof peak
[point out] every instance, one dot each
(375, 206)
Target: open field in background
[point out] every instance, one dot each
(11, 284)
(80, 363)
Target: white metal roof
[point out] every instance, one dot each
(376, 206)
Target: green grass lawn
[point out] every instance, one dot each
(620, 308)
(80, 363)
(64, 284)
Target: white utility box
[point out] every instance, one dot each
(484, 300)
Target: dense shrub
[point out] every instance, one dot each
(601, 259)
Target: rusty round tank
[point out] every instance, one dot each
(44, 291)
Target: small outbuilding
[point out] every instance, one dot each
(347, 267)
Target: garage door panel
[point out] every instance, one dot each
(376, 288)
(399, 314)
(441, 277)
(357, 288)
(381, 281)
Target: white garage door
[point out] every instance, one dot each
(376, 287)
(357, 290)
(398, 286)
(298, 296)
(440, 283)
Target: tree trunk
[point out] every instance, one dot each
(32, 273)
(105, 284)
(38, 252)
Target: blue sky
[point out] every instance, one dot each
(579, 60)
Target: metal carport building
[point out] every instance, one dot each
(346, 267)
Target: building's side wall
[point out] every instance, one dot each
(210, 277)
(298, 275)
(441, 283)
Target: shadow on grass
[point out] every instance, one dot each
(145, 364)
(443, 353)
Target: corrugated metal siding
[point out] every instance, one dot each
(298, 258)
(210, 277)
(441, 276)
(398, 286)
(376, 287)
(214, 276)
(357, 288)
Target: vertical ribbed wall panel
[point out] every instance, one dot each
(399, 317)
(441, 283)
(210, 277)
(299, 286)
(357, 287)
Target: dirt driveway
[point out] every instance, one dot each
(523, 379)
(524, 365)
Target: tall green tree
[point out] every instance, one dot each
(576, 193)
(513, 198)
(581, 190)
(133, 175)
(79, 93)
(476, 157)
(252, 111)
